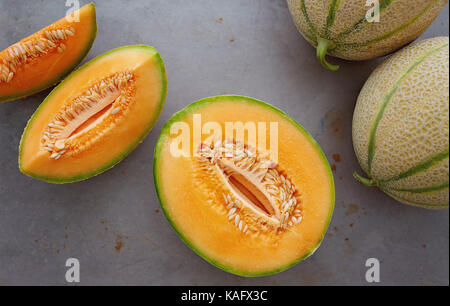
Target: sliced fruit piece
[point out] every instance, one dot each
(96, 117)
(42, 59)
(234, 202)
(352, 29)
(401, 125)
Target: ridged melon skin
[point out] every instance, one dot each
(342, 28)
(158, 184)
(401, 125)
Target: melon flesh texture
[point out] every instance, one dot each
(192, 193)
(37, 69)
(87, 137)
(401, 125)
(340, 27)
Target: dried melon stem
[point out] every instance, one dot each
(257, 197)
(87, 113)
(27, 50)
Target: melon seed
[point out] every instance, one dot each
(257, 195)
(87, 114)
(23, 52)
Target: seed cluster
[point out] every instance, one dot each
(25, 51)
(243, 157)
(284, 192)
(233, 213)
(257, 167)
(110, 90)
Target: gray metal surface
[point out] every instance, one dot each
(113, 224)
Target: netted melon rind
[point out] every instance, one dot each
(400, 22)
(431, 200)
(415, 123)
(402, 117)
(433, 176)
(377, 87)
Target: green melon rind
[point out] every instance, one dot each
(196, 105)
(323, 45)
(57, 78)
(359, 25)
(423, 189)
(335, 45)
(416, 204)
(131, 148)
(387, 100)
(334, 4)
(423, 166)
(389, 34)
(308, 20)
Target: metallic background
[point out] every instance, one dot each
(113, 224)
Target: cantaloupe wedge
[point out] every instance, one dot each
(95, 117)
(44, 58)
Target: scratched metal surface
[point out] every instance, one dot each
(112, 223)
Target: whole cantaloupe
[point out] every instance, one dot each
(340, 27)
(401, 125)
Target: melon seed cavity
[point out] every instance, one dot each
(256, 197)
(87, 117)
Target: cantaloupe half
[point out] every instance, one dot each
(401, 125)
(42, 59)
(95, 117)
(251, 206)
(341, 28)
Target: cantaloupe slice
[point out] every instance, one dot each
(234, 201)
(41, 60)
(95, 117)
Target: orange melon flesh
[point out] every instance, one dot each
(44, 71)
(207, 230)
(146, 103)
